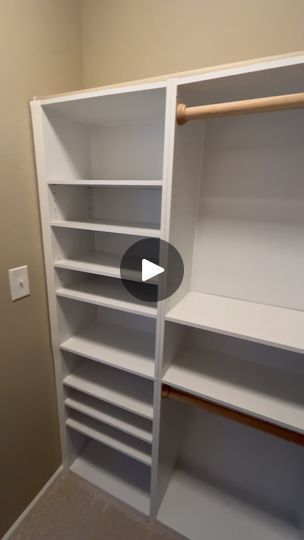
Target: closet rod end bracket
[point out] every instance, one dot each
(181, 114)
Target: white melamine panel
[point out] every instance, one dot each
(118, 388)
(246, 82)
(131, 151)
(107, 292)
(256, 322)
(123, 142)
(123, 348)
(232, 481)
(94, 252)
(108, 414)
(95, 262)
(118, 106)
(107, 183)
(79, 203)
(67, 149)
(115, 473)
(194, 507)
(249, 241)
(259, 390)
(188, 153)
(140, 205)
(137, 229)
(109, 436)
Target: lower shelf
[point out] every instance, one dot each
(117, 388)
(119, 475)
(262, 391)
(123, 348)
(199, 510)
(112, 437)
(108, 414)
(99, 263)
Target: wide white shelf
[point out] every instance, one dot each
(268, 393)
(113, 438)
(117, 474)
(119, 347)
(99, 225)
(197, 509)
(109, 293)
(112, 416)
(107, 183)
(118, 388)
(96, 262)
(261, 323)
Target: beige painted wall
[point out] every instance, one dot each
(39, 54)
(131, 39)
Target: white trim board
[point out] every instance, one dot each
(27, 510)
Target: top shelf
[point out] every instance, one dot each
(108, 183)
(269, 325)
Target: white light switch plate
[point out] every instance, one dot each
(19, 282)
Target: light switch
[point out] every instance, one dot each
(19, 282)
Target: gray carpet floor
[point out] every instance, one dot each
(73, 509)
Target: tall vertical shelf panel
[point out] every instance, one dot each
(115, 167)
(101, 162)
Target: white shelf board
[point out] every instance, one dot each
(99, 225)
(118, 388)
(123, 348)
(114, 439)
(117, 474)
(111, 294)
(108, 183)
(261, 323)
(112, 416)
(258, 390)
(199, 510)
(96, 262)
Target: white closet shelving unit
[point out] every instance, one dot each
(114, 167)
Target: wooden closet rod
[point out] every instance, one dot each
(248, 106)
(241, 418)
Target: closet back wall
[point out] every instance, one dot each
(39, 54)
(132, 39)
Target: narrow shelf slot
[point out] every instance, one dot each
(107, 183)
(112, 437)
(124, 390)
(111, 415)
(100, 225)
(260, 323)
(107, 292)
(119, 347)
(115, 473)
(96, 262)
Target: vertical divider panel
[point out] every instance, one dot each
(170, 123)
(37, 116)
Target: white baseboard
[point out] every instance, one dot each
(32, 504)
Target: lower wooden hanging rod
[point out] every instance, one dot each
(241, 418)
(248, 106)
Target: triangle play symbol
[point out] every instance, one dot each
(150, 270)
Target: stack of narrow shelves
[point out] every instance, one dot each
(105, 338)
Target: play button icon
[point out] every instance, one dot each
(151, 269)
